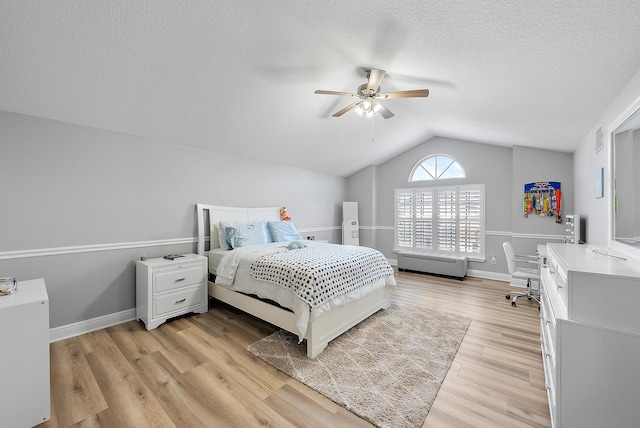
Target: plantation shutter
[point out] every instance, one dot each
(404, 218)
(470, 214)
(446, 219)
(446, 224)
(424, 219)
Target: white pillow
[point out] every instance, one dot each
(283, 231)
(251, 233)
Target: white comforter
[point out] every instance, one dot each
(234, 272)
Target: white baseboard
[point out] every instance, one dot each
(82, 327)
(489, 275)
(498, 277)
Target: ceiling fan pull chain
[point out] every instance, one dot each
(373, 119)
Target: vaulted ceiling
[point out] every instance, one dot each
(238, 76)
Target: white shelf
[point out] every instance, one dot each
(24, 349)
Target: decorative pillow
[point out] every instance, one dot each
(222, 234)
(283, 231)
(247, 234)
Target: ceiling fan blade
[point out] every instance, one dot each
(346, 109)
(375, 78)
(343, 94)
(414, 93)
(386, 113)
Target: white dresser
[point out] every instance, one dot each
(168, 288)
(590, 331)
(24, 353)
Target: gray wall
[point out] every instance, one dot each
(71, 186)
(587, 161)
(502, 170)
(534, 165)
(361, 188)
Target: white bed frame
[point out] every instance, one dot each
(319, 332)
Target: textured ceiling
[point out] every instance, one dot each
(238, 76)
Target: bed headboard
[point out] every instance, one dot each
(210, 215)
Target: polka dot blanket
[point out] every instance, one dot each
(321, 272)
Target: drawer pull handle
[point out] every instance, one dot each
(180, 279)
(180, 301)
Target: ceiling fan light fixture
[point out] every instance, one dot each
(369, 93)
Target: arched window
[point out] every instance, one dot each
(437, 167)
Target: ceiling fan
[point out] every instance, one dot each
(368, 94)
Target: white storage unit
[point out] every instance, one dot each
(168, 288)
(590, 331)
(24, 351)
(350, 225)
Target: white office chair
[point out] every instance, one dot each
(530, 274)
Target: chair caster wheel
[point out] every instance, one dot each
(508, 296)
(513, 303)
(528, 298)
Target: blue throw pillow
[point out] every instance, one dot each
(283, 231)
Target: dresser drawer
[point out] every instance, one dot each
(562, 286)
(171, 302)
(551, 395)
(179, 276)
(548, 326)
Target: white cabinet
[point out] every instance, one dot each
(168, 288)
(24, 353)
(590, 331)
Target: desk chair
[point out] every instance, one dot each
(530, 274)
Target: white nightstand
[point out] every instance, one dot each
(168, 288)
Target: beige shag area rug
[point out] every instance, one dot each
(387, 370)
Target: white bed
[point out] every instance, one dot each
(323, 322)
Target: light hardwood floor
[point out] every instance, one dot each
(194, 371)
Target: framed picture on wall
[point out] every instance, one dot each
(599, 140)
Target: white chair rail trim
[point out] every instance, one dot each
(23, 254)
(42, 252)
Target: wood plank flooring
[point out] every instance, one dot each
(194, 371)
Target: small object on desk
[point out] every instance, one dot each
(7, 286)
(173, 256)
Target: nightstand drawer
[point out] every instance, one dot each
(177, 277)
(182, 299)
